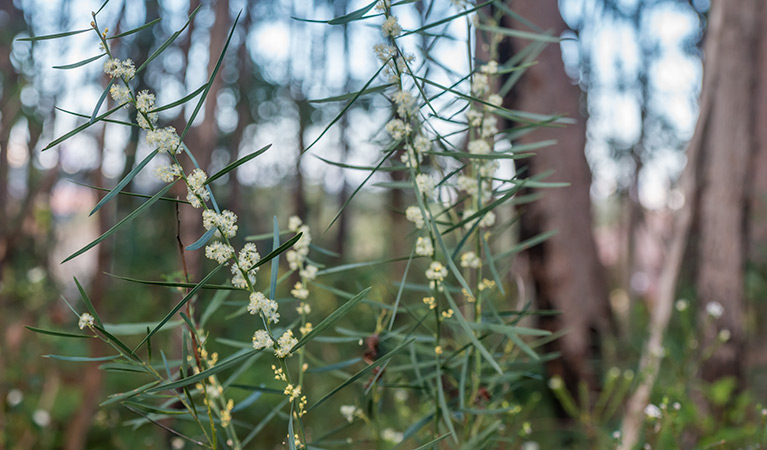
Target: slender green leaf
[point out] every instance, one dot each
(331, 319)
(174, 284)
(82, 358)
(119, 224)
(128, 394)
(54, 36)
(59, 333)
(274, 269)
(79, 63)
(361, 373)
(77, 130)
(354, 15)
(180, 101)
(345, 108)
(129, 194)
(169, 41)
(118, 122)
(432, 442)
(136, 30)
(94, 115)
(124, 182)
(199, 243)
(236, 164)
(130, 329)
(210, 80)
(279, 250)
(180, 304)
(221, 366)
(543, 37)
(351, 95)
(447, 19)
(88, 303)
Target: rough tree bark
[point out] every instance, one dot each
(566, 272)
(728, 138)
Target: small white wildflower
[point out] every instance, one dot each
(86, 320)
(294, 222)
(209, 219)
(426, 184)
(714, 309)
(489, 167)
(309, 272)
(480, 85)
(382, 5)
(470, 260)
(479, 147)
(14, 397)
(405, 103)
(302, 245)
(238, 280)
(299, 291)
(348, 411)
(410, 157)
(120, 94)
(489, 127)
(436, 271)
(724, 335)
(413, 214)
(294, 259)
(398, 129)
(494, 99)
(165, 139)
(392, 436)
(167, 173)
(286, 343)
(248, 257)
(556, 383)
(423, 247)
(488, 220)
(112, 67)
(653, 412)
(384, 52)
(260, 304)
(421, 144)
(196, 184)
(227, 223)
(681, 305)
(41, 417)
(616, 435)
(390, 27)
(219, 252)
(261, 340)
(474, 117)
(468, 184)
(144, 101)
(128, 69)
(490, 68)
(303, 308)
(143, 123)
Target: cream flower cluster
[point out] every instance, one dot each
(120, 69)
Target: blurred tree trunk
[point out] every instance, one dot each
(727, 135)
(565, 270)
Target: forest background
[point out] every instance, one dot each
(663, 218)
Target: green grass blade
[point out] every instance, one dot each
(124, 182)
(331, 319)
(119, 224)
(54, 36)
(136, 30)
(59, 333)
(88, 303)
(180, 304)
(180, 101)
(79, 63)
(401, 288)
(236, 164)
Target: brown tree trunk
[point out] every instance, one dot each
(565, 270)
(727, 150)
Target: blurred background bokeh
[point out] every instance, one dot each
(630, 72)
